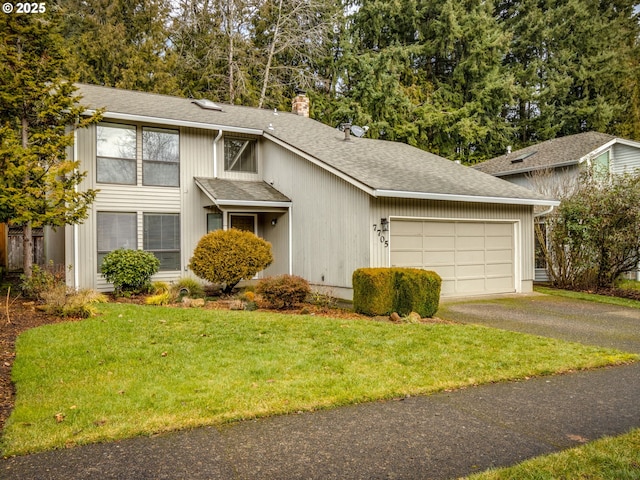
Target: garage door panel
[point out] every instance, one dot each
(499, 256)
(438, 258)
(499, 269)
(403, 242)
(496, 243)
(437, 243)
(499, 229)
(470, 243)
(470, 271)
(441, 229)
(407, 228)
(471, 257)
(476, 257)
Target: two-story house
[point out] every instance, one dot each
(170, 169)
(554, 167)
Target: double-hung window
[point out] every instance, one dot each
(116, 230)
(116, 152)
(160, 157)
(162, 238)
(240, 155)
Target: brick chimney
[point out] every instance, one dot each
(300, 104)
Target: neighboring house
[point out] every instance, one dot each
(553, 167)
(171, 169)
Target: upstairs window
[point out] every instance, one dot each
(116, 152)
(240, 155)
(160, 157)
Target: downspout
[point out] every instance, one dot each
(290, 240)
(215, 153)
(546, 212)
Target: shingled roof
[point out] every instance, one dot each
(382, 168)
(559, 152)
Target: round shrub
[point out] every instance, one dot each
(129, 270)
(228, 256)
(283, 291)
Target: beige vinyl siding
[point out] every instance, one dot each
(329, 218)
(440, 210)
(626, 159)
(278, 236)
(196, 159)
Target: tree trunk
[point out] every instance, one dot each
(272, 49)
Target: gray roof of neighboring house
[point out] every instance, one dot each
(382, 168)
(554, 153)
(234, 191)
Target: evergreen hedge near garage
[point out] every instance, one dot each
(382, 291)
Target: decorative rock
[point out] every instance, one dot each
(414, 317)
(394, 317)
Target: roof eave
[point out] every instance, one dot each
(175, 123)
(465, 198)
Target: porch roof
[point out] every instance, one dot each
(241, 193)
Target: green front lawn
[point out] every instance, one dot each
(612, 458)
(137, 370)
(590, 297)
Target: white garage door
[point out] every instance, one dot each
(471, 257)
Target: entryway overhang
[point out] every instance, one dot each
(241, 193)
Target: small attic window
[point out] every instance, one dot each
(522, 157)
(207, 104)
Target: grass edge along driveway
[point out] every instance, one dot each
(139, 370)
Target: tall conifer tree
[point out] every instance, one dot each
(38, 112)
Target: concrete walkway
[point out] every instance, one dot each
(434, 437)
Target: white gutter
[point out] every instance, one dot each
(174, 123)
(215, 154)
(250, 203)
(463, 198)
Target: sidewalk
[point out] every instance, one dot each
(441, 436)
(436, 437)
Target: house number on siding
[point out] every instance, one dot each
(381, 237)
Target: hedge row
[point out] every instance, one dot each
(382, 291)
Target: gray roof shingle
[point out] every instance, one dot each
(552, 153)
(375, 164)
(240, 190)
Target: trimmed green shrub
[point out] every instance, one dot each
(283, 291)
(382, 291)
(227, 256)
(129, 270)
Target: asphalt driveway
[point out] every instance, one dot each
(585, 322)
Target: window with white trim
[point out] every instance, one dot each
(116, 153)
(160, 157)
(116, 230)
(240, 155)
(162, 238)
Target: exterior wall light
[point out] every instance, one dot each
(384, 224)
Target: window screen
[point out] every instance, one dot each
(116, 153)
(162, 238)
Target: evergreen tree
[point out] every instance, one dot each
(120, 43)
(38, 184)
